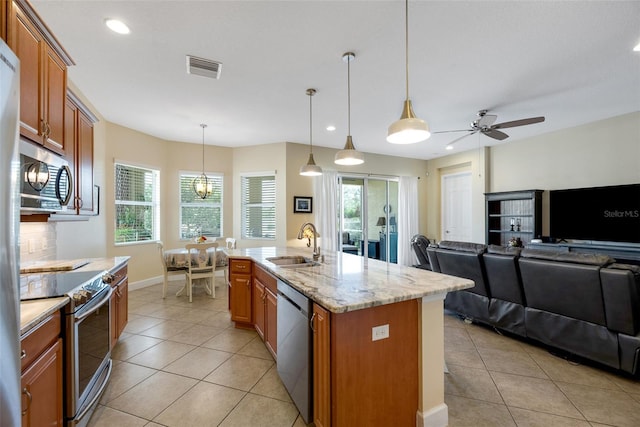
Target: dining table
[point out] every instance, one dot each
(177, 258)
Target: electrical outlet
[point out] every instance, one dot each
(379, 332)
(31, 245)
(44, 245)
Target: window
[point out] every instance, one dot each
(200, 216)
(258, 206)
(137, 204)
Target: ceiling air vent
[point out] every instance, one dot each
(203, 67)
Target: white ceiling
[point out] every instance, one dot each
(571, 61)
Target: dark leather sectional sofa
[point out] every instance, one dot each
(584, 304)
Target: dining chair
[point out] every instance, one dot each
(230, 244)
(168, 270)
(201, 265)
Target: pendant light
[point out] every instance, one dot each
(202, 185)
(310, 169)
(409, 129)
(349, 156)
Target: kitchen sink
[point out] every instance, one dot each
(292, 261)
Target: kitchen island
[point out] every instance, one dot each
(378, 335)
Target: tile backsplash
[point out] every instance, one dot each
(37, 241)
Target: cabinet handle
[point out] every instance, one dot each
(29, 399)
(241, 267)
(248, 283)
(313, 316)
(47, 130)
(23, 354)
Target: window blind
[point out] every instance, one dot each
(258, 201)
(200, 217)
(136, 202)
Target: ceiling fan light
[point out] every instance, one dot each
(310, 169)
(408, 129)
(349, 156)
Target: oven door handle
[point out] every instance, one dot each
(97, 396)
(96, 308)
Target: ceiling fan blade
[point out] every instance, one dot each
(521, 122)
(496, 134)
(449, 131)
(487, 120)
(462, 137)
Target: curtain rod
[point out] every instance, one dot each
(368, 175)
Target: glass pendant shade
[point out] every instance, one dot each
(203, 186)
(349, 156)
(408, 129)
(310, 169)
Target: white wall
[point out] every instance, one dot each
(601, 153)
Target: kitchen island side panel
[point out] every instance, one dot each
(375, 382)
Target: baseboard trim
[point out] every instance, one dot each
(141, 284)
(438, 416)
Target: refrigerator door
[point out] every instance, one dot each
(10, 402)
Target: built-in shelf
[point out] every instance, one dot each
(517, 208)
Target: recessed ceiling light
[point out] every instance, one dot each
(117, 26)
(449, 147)
(637, 48)
(331, 128)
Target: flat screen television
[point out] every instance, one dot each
(606, 214)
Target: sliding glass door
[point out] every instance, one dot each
(367, 216)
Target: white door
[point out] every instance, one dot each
(456, 207)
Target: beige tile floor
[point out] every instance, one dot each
(181, 364)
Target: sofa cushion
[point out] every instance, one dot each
(569, 289)
(577, 258)
(468, 265)
(621, 293)
(475, 248)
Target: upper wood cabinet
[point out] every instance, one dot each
(78, 133)
(43, 76)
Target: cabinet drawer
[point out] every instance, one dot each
(242, 266)
(119, 275)
(266, 279)
(40, 337)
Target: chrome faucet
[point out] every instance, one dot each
(316, 249)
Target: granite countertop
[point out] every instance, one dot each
(34, 311)
(346, 282)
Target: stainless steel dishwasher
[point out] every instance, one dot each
(294, 347)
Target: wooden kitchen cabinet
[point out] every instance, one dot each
(79, 121)
(321, 366)
(265, 307)
(41, 379)
(119, 303)
(349, 386)
(240, 292)
(43, 76)
(259, 301)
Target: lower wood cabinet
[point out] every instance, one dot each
(253, 300)
(41, 379)
(240, 292)
(358, 381)
(265, 307)
(321, 324)
(119, 303)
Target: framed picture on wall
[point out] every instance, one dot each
(302, 204)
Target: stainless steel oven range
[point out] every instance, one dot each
(87, 335)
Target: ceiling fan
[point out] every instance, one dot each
(484, 124)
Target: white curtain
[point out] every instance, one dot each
(325, 195)
(407, 218)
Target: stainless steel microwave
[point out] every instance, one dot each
(46, 181)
